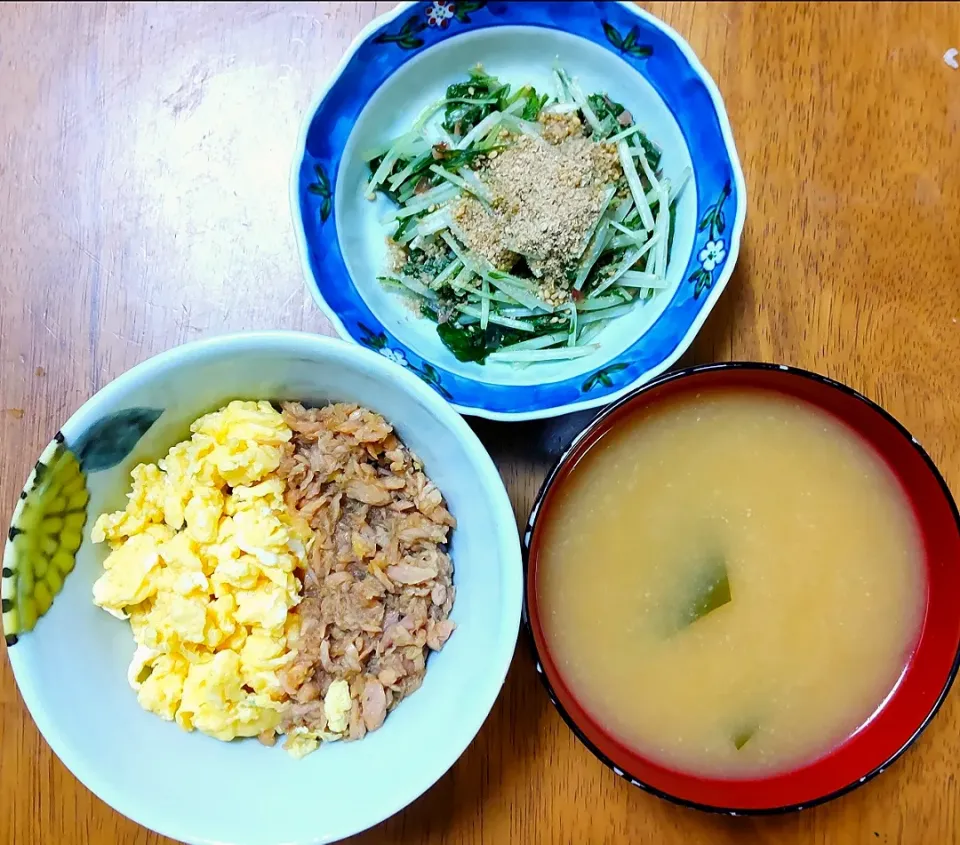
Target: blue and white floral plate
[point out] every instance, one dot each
(402, 62)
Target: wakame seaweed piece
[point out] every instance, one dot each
(743, 735)
(710, 591)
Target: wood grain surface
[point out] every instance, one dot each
(145, 155)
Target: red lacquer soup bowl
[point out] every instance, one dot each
(930, 669)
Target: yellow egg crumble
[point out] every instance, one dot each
(203, 562)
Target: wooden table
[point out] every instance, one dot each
(143, 178)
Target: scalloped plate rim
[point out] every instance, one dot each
(601, 399)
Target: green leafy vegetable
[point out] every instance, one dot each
(608, 113)
(406, 229)
(651, 150)
(467, 343)
(671, 231)
(479, 311)
(460, 118)
(534, 105)
(603, 107)
(455, 159)
(384, 187)
(419, 264)
(471, 343)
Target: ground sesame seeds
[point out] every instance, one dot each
(547, 196)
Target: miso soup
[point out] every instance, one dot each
(730, 583)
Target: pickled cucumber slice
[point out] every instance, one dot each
(45, 533)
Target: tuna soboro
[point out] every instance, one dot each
(283, 572)
(378, 587)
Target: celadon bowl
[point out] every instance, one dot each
(71, 667)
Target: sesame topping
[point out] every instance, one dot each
(548, 194)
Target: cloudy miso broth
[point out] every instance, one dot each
(730, 583)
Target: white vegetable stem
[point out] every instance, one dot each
(651, 176)
(522, 296)
(540, 342)
(416, 286)
(476, 188)
(382, 172)
(577, 95)
(528, 127)
(626, 133)
(481, 129)
(663, 227)
(447, 273)
(485, 306)
(473, 311)
(637, 236)
(608, 193)
(435, 222)
(606, 314)
(530, 355)
(641, 279)
(435, 196)
(592, 255)
(636, 189)
(631, 258)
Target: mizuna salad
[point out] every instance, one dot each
(524, 221)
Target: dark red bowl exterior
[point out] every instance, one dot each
(928, 675)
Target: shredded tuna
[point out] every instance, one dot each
(373, 704)
(379, 586)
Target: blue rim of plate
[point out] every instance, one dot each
(651, 48)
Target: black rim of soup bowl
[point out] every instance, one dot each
(527, 538)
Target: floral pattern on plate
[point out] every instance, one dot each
(647, 48)
(426, 371)
(437, 14)
(714, 250)
(46, 528)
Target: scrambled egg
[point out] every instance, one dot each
(203, 563)
(336, 706)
